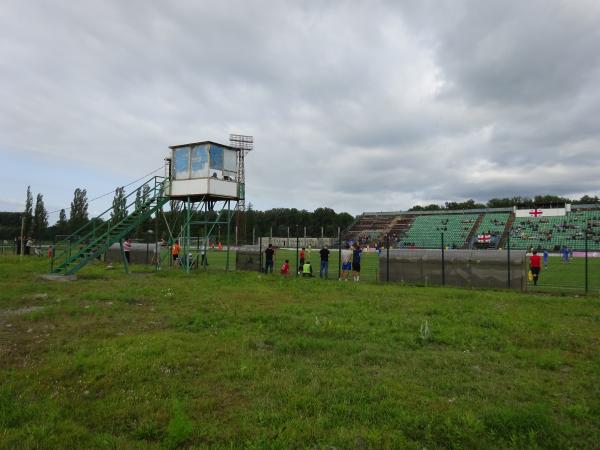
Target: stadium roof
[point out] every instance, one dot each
(172, 147)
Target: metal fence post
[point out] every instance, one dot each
(508, 259)
(586, 262)
(339, 254)
(260, 258)
(387, 259)
(297, 252)
(443, 262)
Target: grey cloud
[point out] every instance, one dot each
(355, 105)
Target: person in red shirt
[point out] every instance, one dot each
(285, 268)
(535, 265)
(175, 249)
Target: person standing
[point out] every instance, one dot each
(302, 257)
(269, 254)
(175, 249)
(535, 265)
(356, 254)
(28, 245)
(127, 249)
(324, 252)
(346, 262)
(565, 254)
(545, 258)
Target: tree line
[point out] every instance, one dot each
(540, 201)
(276, 221)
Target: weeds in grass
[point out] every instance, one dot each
(424, 331)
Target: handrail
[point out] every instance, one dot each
(93, 223)
(95, 248)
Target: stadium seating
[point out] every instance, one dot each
(554, 232)
(461, 228)
(370, 228)
(426, 230)
(493, 224)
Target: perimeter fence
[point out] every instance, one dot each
(567, 270)
(503, 268)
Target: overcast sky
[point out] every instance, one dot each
(357, 106)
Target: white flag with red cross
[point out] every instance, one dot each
(540, 213)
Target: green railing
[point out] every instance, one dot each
(95, 236)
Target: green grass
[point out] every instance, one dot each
(571, 276)
(245, 360)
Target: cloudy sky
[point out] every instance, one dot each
(375, 105)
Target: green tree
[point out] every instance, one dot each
(431, 207)
(79, 209)
(469, 204)
(138, 199)
(119, 205)
(40, 218)
(587, 200)
(28, 212)
(62, 226)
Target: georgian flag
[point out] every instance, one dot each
(538, 213)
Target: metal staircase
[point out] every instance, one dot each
(507, 228)
(95, 237)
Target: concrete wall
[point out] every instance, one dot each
(247, 258)
(474, 268)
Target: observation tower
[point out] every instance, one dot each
(202, 180)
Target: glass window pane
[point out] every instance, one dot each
(182, 163)
(230, 163)
(216, 157)
(199, 161)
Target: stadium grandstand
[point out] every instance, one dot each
(550, 228)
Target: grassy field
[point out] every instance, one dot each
(245, 360)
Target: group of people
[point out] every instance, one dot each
(350, 257)
(27, 246)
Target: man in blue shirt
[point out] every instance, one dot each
(545, 258)
(565, 254)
